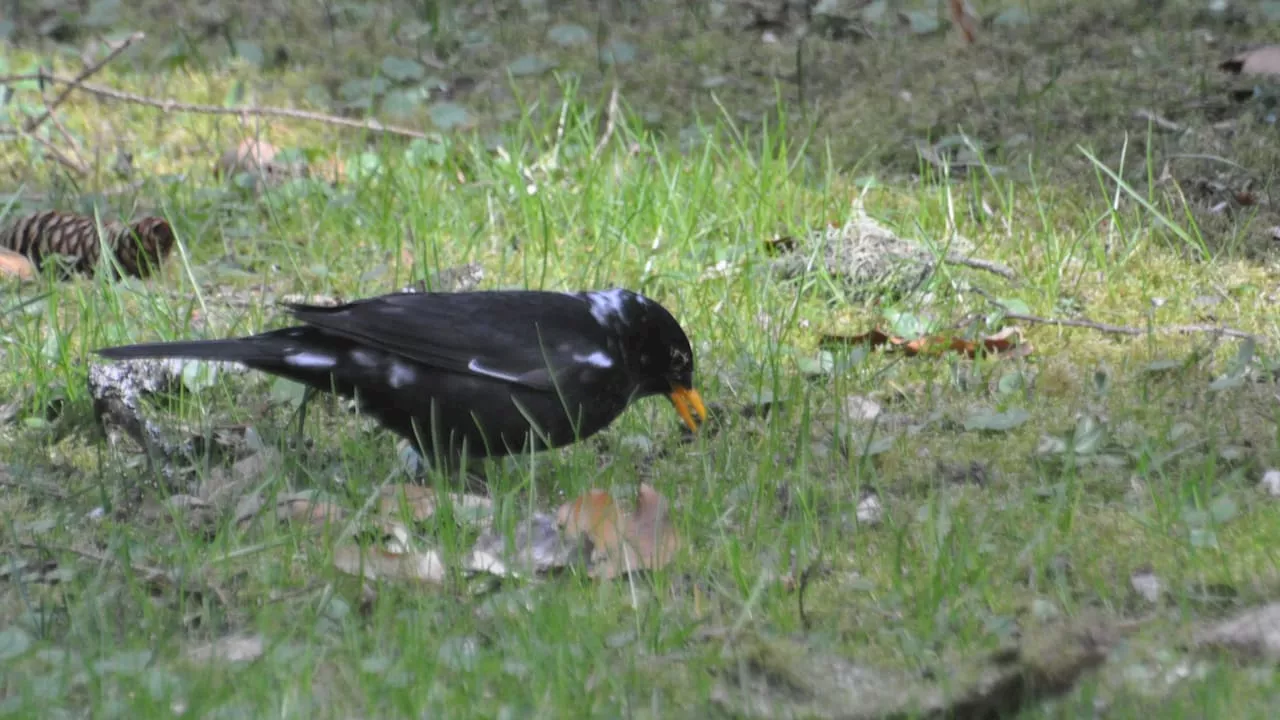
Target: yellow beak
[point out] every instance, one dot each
(686, 399)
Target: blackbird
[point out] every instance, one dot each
(472, 375)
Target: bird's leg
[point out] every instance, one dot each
(477, 482)
(418, 468)
(411, 461)
(301, 412)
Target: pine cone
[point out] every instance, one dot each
(139, 247)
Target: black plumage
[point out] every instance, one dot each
(487, 374)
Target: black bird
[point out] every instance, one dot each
(475, 374)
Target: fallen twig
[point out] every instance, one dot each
(805, 578)
(75, 164)
(990, 266)
(29, 484)
(76, 148)
(1117, 329)
(170, 105)
(152, 576)
(124, 189)
(1158, 120)
(1126, 330)
(62, 158)
(961, 19)
(75, 82)
(610, 118)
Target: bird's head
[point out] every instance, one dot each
(658, 355)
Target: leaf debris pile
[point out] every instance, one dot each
(589, 532)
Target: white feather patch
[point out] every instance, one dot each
(311, 360)
(364, 358)
(606, 305)
(401, 375)
(597, 358)
(475, 367)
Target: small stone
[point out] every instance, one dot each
(641, 444)
(1146, 584)
(870, 510)
(1044, 610)
(1059, 567)
(861, 409)
(252, 156)
(1270, 483)
(234, 649)
(1254, 633)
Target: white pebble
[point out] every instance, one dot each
(1271, 483)
(1147, 585)
(869, 510)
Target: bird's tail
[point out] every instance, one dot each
(250, 351)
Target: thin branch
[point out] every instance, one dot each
(76, 148)
(1158, 120)
(153, 576)
(1133, 331)
(990, 266)
(1117, 329)
(170, 105)
(805, 578)
(75, 82)
(63, 159)
(955, 258)
(610, 118)
(48, 489)
(124, 189)
(961, 19)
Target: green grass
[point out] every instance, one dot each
(954, 570)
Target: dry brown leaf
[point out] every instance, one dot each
(231, 649)
(1263, 60)
(309, 509)
(621, 544)
(376, 563)
(964, 20)
(330, 169)
(1007, 342)
(595, 516)
(398, 561)
(649, 529)
(13, 264)
(536, 546)
(418, 500)
(251, 156)
(234, 481)
(196, 514)
(247, 509)
(1253, 633)
(397, 505)
(422, 503)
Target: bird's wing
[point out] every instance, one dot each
(517, 337)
